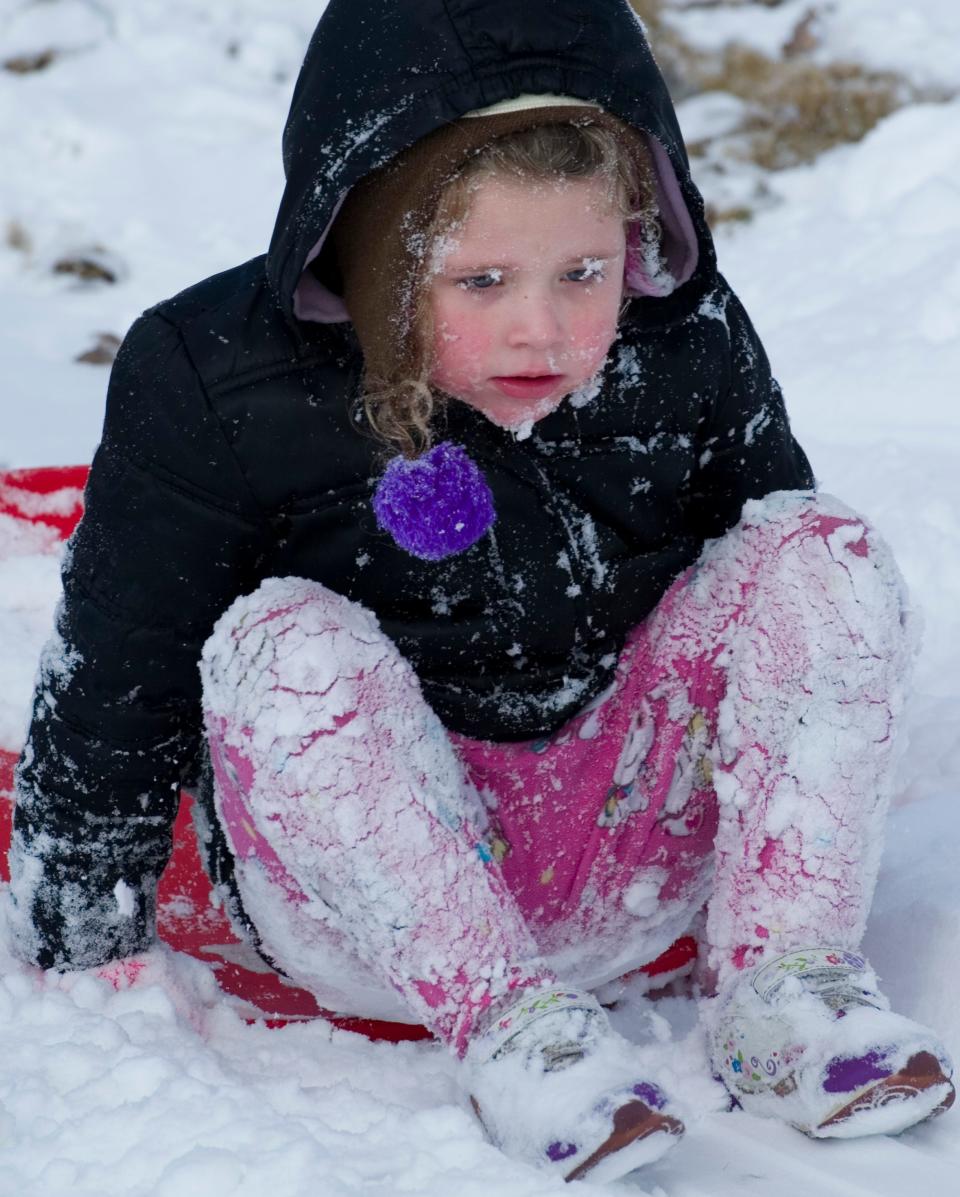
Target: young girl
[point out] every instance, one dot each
(534, 647)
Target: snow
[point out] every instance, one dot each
(857, 304)
(155, 135)
(763, 27)
(918, 41)
(153, 141)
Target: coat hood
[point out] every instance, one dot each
(377, 77)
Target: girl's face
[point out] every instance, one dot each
(525, 294)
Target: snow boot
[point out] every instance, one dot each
(809, 1039)
(555, 1086)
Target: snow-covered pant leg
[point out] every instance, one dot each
(816, 648)
(769, 677)
(357, 840)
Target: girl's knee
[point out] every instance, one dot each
(784, 518)
(809, 559)
(289, 635)
(279, 603)
(816, 535)
(285, 612)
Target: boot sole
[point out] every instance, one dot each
(914, 1086)
(633, 1141)
(633, 1125)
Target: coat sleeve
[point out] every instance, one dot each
(169, 536)
(745, 449)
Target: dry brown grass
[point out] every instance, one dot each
(92, 266)
(102, 352)
(17, 237)
(797, 108)
(26, 64)
(794, 108)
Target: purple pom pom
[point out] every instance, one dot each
(435, 506)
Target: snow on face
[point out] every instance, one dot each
(525, 296)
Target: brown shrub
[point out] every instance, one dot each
(92, 266)
(794, 108)
(102, 352)
(17, 237)
(798, 108)
(24, 64)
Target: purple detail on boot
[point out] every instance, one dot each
(843, 1076)
(561, 1151)
(651, 1095)
(435, 506)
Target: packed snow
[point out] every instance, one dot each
(149, 147)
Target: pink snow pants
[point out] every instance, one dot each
(740, 763)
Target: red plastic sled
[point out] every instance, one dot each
(187, 918)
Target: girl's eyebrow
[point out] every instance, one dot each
(600, 253)
(456, 268)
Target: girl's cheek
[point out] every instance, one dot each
(458, 358)
(594, 337)
(469, 344)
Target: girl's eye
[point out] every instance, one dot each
(591, 271)
(481, 282)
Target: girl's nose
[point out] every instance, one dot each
(535, 322)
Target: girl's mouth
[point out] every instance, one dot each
(527, 386)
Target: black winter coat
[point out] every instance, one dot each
(229, 454)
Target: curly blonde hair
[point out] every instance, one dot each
(400, 411)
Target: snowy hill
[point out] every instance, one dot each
(147, 150)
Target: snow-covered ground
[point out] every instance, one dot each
(152, 144)
(918, 40)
